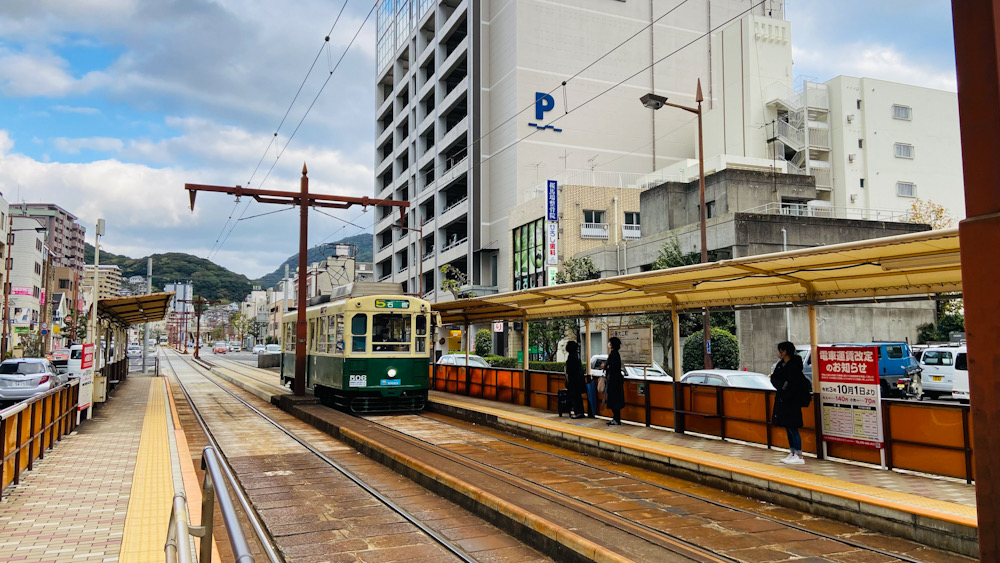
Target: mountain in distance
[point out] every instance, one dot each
(210, 280)
(317, 254)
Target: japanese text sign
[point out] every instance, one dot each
(850, 395)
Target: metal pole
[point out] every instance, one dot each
(299, 386)
(707, 338)
(47, 308)
(420, 247)
(977, 54)
(788, 311)
(679, 422)
(6, 284)
(145, 325)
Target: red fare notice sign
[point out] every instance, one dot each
(850, 395)
(87, 361)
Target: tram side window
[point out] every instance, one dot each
(336, 335)
(391, 332)
(289, 337)
(421, 332)
(359, 328)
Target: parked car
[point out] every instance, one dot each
(728, 378)
(134, 351)
(273, 348)
(23, 378)
(938, 363)
(59, 358)
(220, 348)
(259, 349)
(597, 361)
(73, 367)
(960, 379)
(459, 360)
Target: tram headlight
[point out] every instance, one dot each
(391, 372)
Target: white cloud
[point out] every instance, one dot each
(866, 60)
(42, 74)
(101, 144)
(79, 110)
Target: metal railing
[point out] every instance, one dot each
(594, 230)
(33, 426)
(631, 232)
(179, 531)
(785, 129)
(806, 210)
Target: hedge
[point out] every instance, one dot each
(512, 363)
(547, 366)
(502, 361)
(725, 351)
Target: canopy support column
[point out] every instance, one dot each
(816, 404)
(525, 378)
(679, 426)
(586, 342)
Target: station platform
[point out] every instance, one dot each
(104, 493)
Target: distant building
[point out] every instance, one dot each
(182, 292)
(109, 282)
(27, 264)
(63, 234)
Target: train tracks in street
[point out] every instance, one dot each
(564, 504)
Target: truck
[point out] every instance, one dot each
(899, 372)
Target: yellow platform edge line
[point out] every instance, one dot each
(150, 500)
(192, 490)
(905, 502)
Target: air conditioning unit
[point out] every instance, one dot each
(854, 198)
(850, 157)
(850, 118)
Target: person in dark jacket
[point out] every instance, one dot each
(616, 381)
(574, 379)
(791, 385)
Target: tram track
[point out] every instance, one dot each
(619, 474)
(438, 538)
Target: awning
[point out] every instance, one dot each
(136, 309)
(913, 264)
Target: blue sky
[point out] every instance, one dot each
(109, 106)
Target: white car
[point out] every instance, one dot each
(938, 365)
(459, 360)
(134, 351)
(631, 371)
(960, 379)
(259, 349)
(728, 378)
(273, 348)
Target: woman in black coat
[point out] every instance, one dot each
(575, 384)
(791, 385)
(615, 381)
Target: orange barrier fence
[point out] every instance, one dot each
(31, 427)
(919, 436)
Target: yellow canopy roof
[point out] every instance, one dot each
(135, 309)
(913, 264)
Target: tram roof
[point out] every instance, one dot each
(136, 309)
(904, 265)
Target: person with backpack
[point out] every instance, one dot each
(793, 393)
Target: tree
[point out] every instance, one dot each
(546, 335)
(929, 213)
(484, 342)
(31, 345)
(241, 324)
(942, 329)
(725, 350)
(453, 281)
(577, 269)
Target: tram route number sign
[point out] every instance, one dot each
(637, 343)
(392, 304)
(850, 395)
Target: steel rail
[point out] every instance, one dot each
(259, 531)
(694, 496)
(437, 537)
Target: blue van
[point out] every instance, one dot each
(899, 371)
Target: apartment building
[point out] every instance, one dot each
(109, 280)
(27, 291)
(472, 112)
(64, 236)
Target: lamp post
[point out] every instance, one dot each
(654, 102)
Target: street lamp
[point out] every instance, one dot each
(8, 264)
(654, 102)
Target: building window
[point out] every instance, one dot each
(859, 104)
(903, 150)
(710, 209)
(861, 143)
(902, 112)
(529, 255)
(906, 189)
(593, 216)
(861, 183)
(632, 218)
(38, 269)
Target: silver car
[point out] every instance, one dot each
(23, 378)
(459, 360)
(728, 378)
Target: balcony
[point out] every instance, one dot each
(631, 232)
(594, 231)
(824, 178)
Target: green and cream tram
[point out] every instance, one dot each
(369, 348)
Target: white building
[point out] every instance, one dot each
(28, 253)
(450, 73)
(183, 294)
(892, 143)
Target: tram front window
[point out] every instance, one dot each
(390, 333)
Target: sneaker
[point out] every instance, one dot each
(786, 458)
(796, 461)
(614, 423)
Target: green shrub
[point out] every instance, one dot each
(725, 351)
(502, 361)
(547, 366)
(484, 342)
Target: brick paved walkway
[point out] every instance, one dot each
(72, 506)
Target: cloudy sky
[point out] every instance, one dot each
(107, 107)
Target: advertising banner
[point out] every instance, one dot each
(850, 395)
(637, 343)
(552, 201)
(86, 378)
(552, 243)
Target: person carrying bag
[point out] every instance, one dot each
(793, 393)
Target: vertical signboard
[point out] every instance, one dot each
(552, 243)
(637, 343)
(86, 377)
(850, 395)
(552, 201)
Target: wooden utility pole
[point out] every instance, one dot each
(304, 200)
(199, 303)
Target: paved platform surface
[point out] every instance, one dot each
(104, 492)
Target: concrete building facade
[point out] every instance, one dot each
(109, 280)
(27, 267)
(63, 234)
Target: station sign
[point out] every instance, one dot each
(498, 326)
(552, 200)
(637, 343)
(850, 395)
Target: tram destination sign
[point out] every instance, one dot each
(637, 343)
(392, 304)
(850, 395)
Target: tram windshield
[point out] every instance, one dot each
(390, 332)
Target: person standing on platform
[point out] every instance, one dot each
(574, 379)
(615, 380)
(791, 385)
(590, 383)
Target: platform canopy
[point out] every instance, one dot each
(135, 309)
(925, 263)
